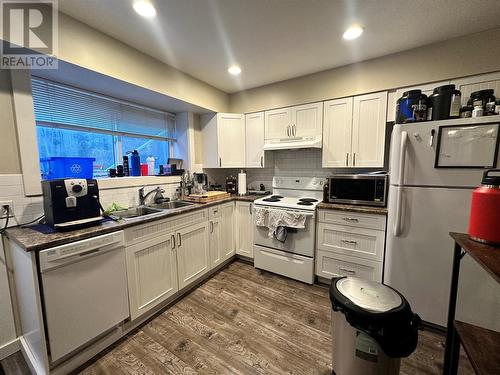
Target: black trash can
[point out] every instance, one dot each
(373, 327)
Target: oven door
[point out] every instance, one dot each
(298, 241)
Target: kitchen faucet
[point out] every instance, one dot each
(158, 196)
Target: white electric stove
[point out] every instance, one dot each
(293, 257)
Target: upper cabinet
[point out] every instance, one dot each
(254, 140)
(368, 130)
(295, 127)
(354, 131)
(223, 137)
(337, 128)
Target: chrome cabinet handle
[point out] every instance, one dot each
(294, 130)
(350, 242)
(287, 131)
(347, 159)
(220, 162)
(352, 272)
(262, 161)
(350, 219)
(250, 208)
(354, 159)
(211, 227)
(172, 241)
(179, 240)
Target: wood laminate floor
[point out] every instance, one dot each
(246, 321)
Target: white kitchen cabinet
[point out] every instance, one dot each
(192, 253)
(223, 137)
(254, 140)
(329, 265)
(354, 131)
(294, 122)
(215, 244)
(337, 127)
(244, 229)
(227, 231)
(151, 273)
(368, 130)
(307, 120)
(350, 244)
(277, 123)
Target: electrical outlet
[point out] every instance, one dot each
(3, 212)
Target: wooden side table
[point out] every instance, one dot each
(481, 345)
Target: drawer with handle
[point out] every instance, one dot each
(330, 265)
(355, 219)
(214, 211)
(352, 241)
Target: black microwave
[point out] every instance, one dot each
(359, 189)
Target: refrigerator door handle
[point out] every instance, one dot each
(398, 224)
(402, 157)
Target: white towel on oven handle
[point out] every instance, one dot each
(274, 218)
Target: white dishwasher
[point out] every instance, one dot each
(84, 291)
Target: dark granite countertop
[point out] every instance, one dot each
(32, 240)
(353, 208)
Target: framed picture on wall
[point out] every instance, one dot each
(467, 146)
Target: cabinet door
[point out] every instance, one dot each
(192, 253)
(254, 140)
(227, 230)
(307, 120)
(278, 123)
(368, 130)
(151, 273)
(231, 140)
(337, 133)
(244, 229)
(215, 242)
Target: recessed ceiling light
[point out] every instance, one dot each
(353, 32)
(144, 8)
(234, 70)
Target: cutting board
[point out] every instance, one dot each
(209, 196)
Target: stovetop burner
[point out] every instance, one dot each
(276, 197)
(311, 200)
(304, 203)
(271, 199)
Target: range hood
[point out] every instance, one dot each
(287, 143)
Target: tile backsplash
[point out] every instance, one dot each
(27, 209)
(286, 163)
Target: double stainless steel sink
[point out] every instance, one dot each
(152, 209)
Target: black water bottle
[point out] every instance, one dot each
(126, 170)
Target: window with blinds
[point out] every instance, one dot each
(73, 122)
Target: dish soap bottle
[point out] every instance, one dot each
(151, 165)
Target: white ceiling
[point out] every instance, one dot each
(274, 40)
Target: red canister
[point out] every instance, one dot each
(484, 222)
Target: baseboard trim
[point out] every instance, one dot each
(9, 348)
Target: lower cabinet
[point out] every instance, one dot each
(151, 273)
(192, 253)
(352, 249)
(227, 229)
(244, 229)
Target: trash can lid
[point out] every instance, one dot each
(369, 295)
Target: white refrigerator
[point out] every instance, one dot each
(426, 203)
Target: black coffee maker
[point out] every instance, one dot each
(71, 203)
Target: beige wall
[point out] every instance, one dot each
(468, 55)
(84, 46)
(9, 159)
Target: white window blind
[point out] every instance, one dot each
(58, 105)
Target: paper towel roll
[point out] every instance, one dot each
(242, 183)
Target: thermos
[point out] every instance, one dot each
(126, 169)
(484, 222)
(135, 163)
